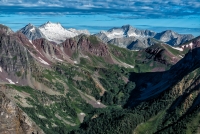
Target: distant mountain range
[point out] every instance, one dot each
(125, 36)
(132, 38)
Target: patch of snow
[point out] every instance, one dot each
(181, 56)
(127, 65)
(17, 82)
(82, 113)
(134, 34)
(191, 44)
(2, 113)
(42, 61)
(131, 66)
(41, 116)
(79, 31)
(32, 29)
(34, 46)
(115, 34)
(31, 41)
(31, 53)
(10, 81)
(75, 62)
(178, 48)
(37, 49)
(98, 103)
(0, 69)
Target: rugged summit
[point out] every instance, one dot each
(126, 31)
(172, 38)
(32, 32)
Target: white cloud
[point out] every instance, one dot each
(149, 8)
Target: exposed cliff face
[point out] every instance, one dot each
(13, 55)
(13, 120)
(14, 58)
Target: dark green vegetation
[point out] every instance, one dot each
(175, 110)
(53, 113)
(114, 81)
(67, 89)
(159, 57)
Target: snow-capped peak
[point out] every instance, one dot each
(57, 33)
(127, 31)
(32, 32)
(79, 31)
(50, 25)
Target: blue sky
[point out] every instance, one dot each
(182, 16)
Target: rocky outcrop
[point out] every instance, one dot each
(86, 45)
(157, 55)
(93, 46)
(13, 120)
(5, 29)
